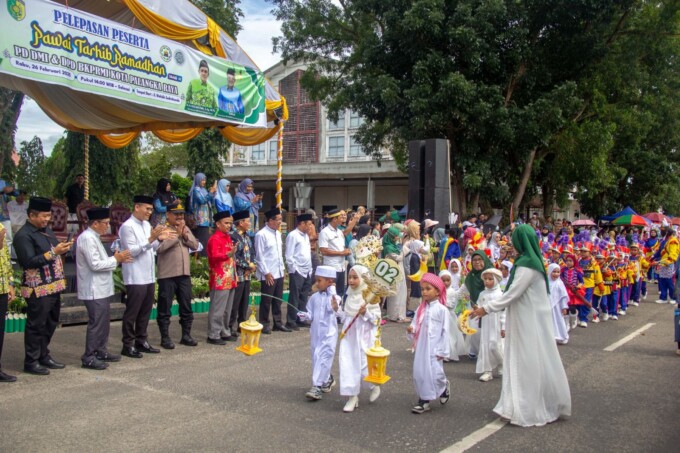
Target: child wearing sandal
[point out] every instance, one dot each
(322, 311)
(429, 333)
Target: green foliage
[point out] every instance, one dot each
(206, 152)
(10, 106)
(30, 166)
(180, 186)
(513, 86)
(115, 175)
(226, 13)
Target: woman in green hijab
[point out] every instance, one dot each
(391, 242)
(535, 387)
(473, 280)
(396, 305)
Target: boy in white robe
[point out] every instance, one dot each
(322, 311)
(358, 338)
(491, 339)
(456, 339)
(559, 301)
(429, 333)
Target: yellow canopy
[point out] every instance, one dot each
(115, 122)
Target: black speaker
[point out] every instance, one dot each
(429, 193)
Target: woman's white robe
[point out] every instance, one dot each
(535, 388)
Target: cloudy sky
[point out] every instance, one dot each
(259, 26)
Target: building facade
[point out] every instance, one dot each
(323, 165)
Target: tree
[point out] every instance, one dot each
(206, 152)
(10, 106)
(114, 173)
(226, 13)
(29, 171)
(505, 82)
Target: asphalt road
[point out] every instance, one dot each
(213, 398)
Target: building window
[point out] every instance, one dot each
(336, 147)
(257, 152)
(340, 124)
(355, 120)
(355, 148)
(273, 148)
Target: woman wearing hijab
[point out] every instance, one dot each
(223, 200)
(246, 199)
(471, 289)
(396, 305)
(201, 200)
(161, 199)
(535, 388)
(494, 246)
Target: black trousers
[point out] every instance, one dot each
(202, 234)
(42, 318)
(239, 310)
(299, 287)
(168, 289)
(340, 283)
(4, 298)
(138, 306)
(98, 324)
(267, 302)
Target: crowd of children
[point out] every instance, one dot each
(591, 279)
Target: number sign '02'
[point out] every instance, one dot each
(387, 272)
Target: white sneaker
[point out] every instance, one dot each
(605, 317)
(352, 403)
(574, 323)
(375, 393)
(660, 301)
(622, 312)
(644, 296)
(486, 376)
(500, 370)
(562, 341)
(596, 319)
(583, 324)
(674, 302)
(634, 304)
(614, 318)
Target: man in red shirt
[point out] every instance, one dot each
(222, 279)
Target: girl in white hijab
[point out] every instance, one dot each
(456, 270)
(358, 338)
(456, 340)
(506, 267)
(559, 302)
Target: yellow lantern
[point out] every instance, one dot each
(377, 362)
(250, 334)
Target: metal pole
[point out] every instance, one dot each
(86, 149)
(279, 168)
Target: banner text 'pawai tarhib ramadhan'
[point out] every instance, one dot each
(45, 42)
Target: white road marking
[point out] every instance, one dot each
(476, 437)
(627, 338)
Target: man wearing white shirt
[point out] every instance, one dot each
(18, 211)
(139, 276)
(269, 261)
(333, 248)
(299, 262)
(95, 287)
